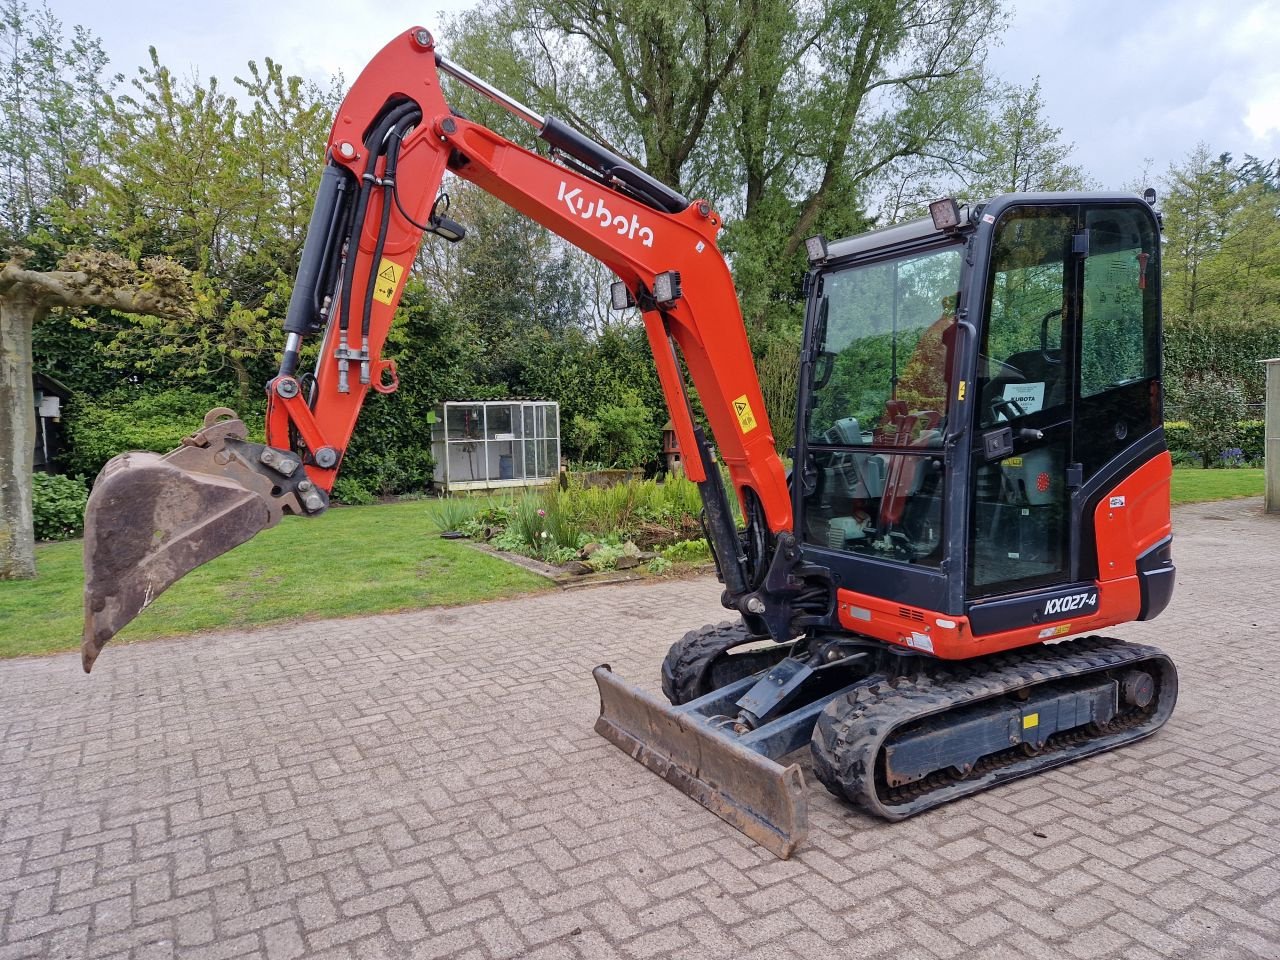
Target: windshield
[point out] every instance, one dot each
(885, 335)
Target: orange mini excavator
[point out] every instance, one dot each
(980, 470)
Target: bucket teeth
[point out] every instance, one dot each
(763, 799)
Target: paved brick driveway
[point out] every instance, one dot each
(428, 785)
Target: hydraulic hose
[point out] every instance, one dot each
(394, 138)
(375, 143)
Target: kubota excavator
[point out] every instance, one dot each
(980, 466)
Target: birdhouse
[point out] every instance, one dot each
(671, 449)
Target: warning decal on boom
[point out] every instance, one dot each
(746, 419)
(389, 274)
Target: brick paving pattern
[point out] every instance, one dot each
(429, 785)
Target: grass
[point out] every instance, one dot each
(1194, 485)
(357, 560)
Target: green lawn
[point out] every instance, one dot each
(1194, 485)
(351, 561)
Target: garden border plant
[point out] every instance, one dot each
(602, 528)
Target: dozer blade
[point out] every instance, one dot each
(763, 799)
(152, 519)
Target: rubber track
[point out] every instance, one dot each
(689, 660)
(852, 731)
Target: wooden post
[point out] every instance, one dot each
(1272, 435)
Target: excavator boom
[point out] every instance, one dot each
(152, 519)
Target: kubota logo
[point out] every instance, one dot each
(580, 206)
(1074, 602)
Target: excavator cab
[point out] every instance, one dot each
(972, 393)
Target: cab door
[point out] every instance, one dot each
(1020, 529)
(1118, 405)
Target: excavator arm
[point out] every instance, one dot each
(153, 519)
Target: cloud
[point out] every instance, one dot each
(1129, 82)
(1262, 115)
(314, 38)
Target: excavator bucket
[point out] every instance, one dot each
(746, 789)
(152, 519)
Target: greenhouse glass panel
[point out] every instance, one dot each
(530, 458)
(502, 463)
(465, 422)
(498, 420)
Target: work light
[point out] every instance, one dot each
(666, 286)
(945, 213)
(620, 296)
(816, 248)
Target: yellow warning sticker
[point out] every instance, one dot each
(1012, 461)
(960, 392)
(1030, 720)
(746, 419)
(388, 279)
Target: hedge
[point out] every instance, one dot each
(57, 505)
(120, 421)
(1251, 439)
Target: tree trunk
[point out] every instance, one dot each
(85, 278)
(17, 428)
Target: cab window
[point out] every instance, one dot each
(1021, 369)
(880, 395)
(1120, 313)
(884, 347)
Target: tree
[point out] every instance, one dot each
(81, 280)
(223, 188)
(1197, 207)
(1221, 270)
(1009, 147)
(1240, 279)
(1017, 151)
(785, 114)
(50, 86)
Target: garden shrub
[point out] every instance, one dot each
(390, 451)
(387, 455)
(58, 505)
(1250, 442)
(620, 433)
(1252, 439)
(1213, 407)
(352, 492)
(1177, 436)
(120, 421)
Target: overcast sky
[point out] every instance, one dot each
(1126, 81)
